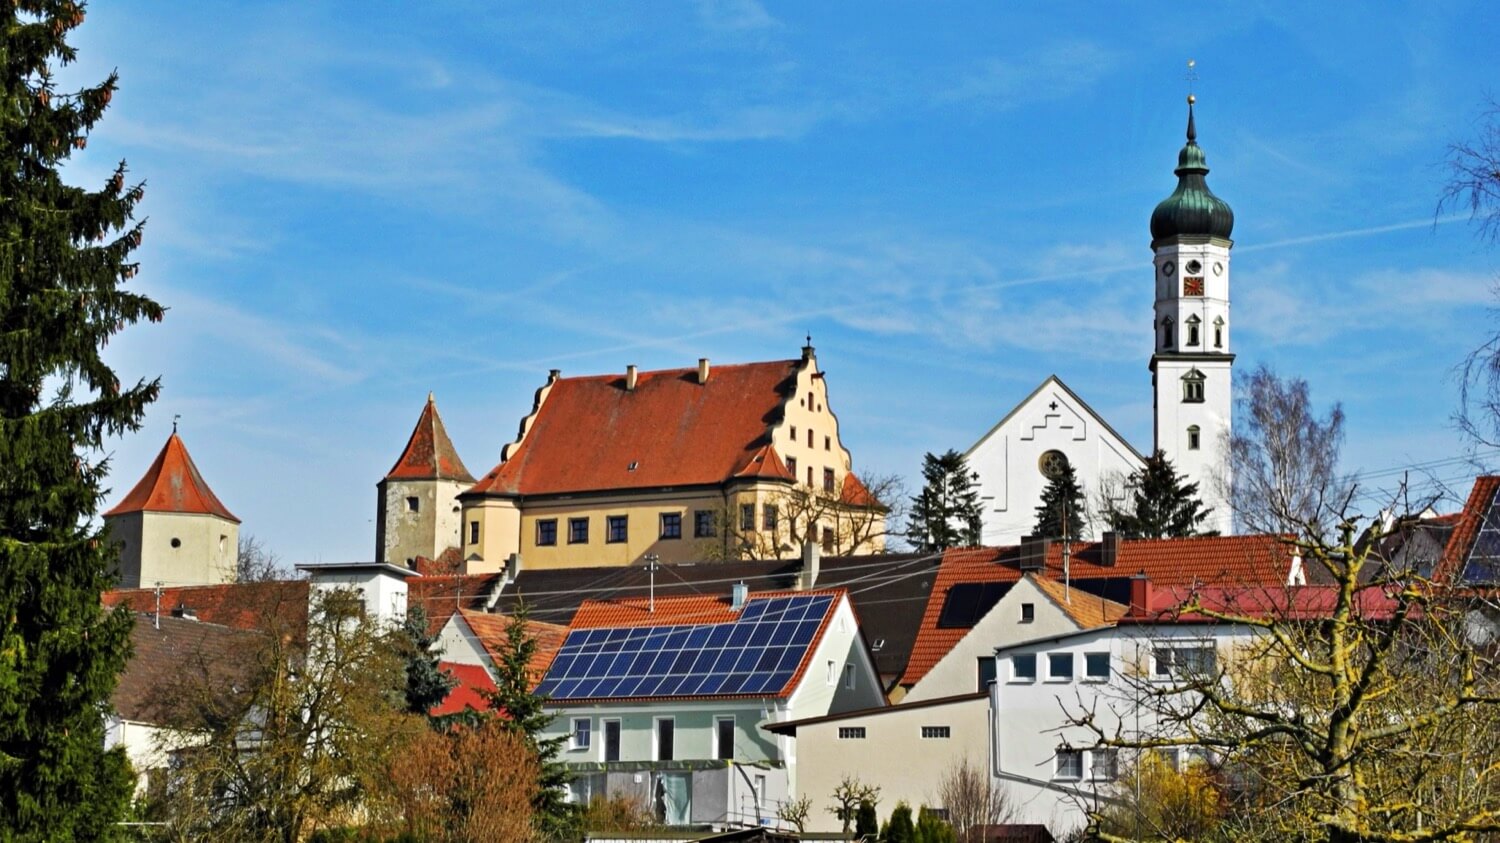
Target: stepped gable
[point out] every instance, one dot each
(1229, 561)
(591, 433)
(172, 484)
(429, 453)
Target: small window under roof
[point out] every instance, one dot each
(965, 603)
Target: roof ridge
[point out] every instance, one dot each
(429, 453)
(172, 483)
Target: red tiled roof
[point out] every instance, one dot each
(1228, 560)
(1470, 519)
(590, 433)
(171, 650)
(491, 631)
(251, 605)
(429, 453)
(1086, 610)
(1285, 602)
(441, 596)
(472, 684)
(856, 493)
(448, 563)
(765, 462)
(172, 484)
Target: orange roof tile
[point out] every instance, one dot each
(856, 493)
(1221, 560)
(441, 596)
(590, 433)
(429, 453)
(1470, 520)
(250, 605)
(765, 462)
(172, 484)
(472, 684)
(491, 630)
(1086, 610)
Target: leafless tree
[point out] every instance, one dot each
(256, 562)
(794, 812)
(1474, 185)
(848, 795)
(797, 513)
(973, 800)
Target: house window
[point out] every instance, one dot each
(1023, 667)
(671, 525)
(616, 528)
(413, 504)
(986, 671)
(1194, 437)
(1059, 667)
(546, 532)
(473, 532)
(1069, 764)
(747, 516)
(828, 443)
(1192, 329)
(666, 734)
(851, 733)
(809, 438)
(581, 729)
(611, 740)
(768, 516)
(1192, 387)
(703, 524)
(827, 539)
(1179, 662)
(724, 735)
(827, 479)
(1028, 612)
(1096, 666)
(794, 434)
(937, 732)
(578, 531)
(833, 672)
(849, 676)
(791, 467)
(1104, 765)
(809, 401)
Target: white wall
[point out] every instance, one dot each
(206, 549)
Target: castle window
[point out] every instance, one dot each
(578, 531)
(794, 433)
(413, 504)
(828, 443)
(616, 528)
(1219, 332)
(769, 514)
(791, 466)
(809, 438)
(1192, 387)
(473, 532)
(1166, 332)
(1192, 329)
(671, 525)
(703, 524)
(828, 480)
(809, 475)
(1194, 439)
(747, 516)
(546, 532)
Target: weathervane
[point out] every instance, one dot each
(1191, 76)
(175, 417)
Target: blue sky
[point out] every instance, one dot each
(352, 204)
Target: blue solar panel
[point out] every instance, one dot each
(757, 653)
(1483, 564)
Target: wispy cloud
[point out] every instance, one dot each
(734, 15)
(1045, 73)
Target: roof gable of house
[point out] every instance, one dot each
(592, 433)
(172, 484)
(1051, 398)
(280, 605)
(167, 650)
(493, 632)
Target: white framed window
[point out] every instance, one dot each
(724, 738)
(1192, 387)
(1059, 667)
(851, 733)
(582, 732)
(833, 672)
(937, 732)
(611, 748)
(1096, 666)
(1028, 612)
(1104, 765)
(1192, 324)
(1023, 667)
(1195, 437)
(666, 739)
(1183, 660)
(1069, 765)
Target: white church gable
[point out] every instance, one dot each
(1012, 458)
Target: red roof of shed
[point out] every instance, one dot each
(172, 484)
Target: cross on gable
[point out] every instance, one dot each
(1052, 406)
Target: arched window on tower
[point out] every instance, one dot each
(1219, 332)
(1194, 437)
(1192, 387)
(1166, 332)
(1192, 329)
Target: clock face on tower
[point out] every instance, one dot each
(1192, 286)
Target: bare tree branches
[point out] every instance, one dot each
(973, 800)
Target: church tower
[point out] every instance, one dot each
(1192, 366)
(417, 510)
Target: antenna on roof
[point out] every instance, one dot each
(651, 560)
(156, 616)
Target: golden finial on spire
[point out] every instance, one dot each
(1191, 77)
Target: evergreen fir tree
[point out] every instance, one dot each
(426, 684)
(1062, 496)
(899, 828)
(946, 513)
(65, 253)
(1162, 505)
(866, 821)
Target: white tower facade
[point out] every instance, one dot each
(1192, 365)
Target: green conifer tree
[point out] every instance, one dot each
(946, 513)
(426, 683)
(866, 821)
(899, 828)
(65, 253)
(1162, 506)
(1063, 498)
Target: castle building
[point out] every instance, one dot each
(1191, 373)
(417, 509)
(171, 528)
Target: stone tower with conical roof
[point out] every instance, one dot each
(418, 514)
(171, 528)
(1192, 363)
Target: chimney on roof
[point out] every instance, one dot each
(1034, 552)
(807, 577)
(1140, 594)
(1109, 549)
(630, 378)
(737, 594)
(553, 375)
(702, 370)
(185, 613)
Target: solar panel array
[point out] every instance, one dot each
(757, 653)
(1483, 566)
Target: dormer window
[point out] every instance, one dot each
(1192, 387)
(1192, 329)
(633, 465)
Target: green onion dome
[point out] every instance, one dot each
(1192, 209)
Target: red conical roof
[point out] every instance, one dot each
(172, 484)
(429, 453)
